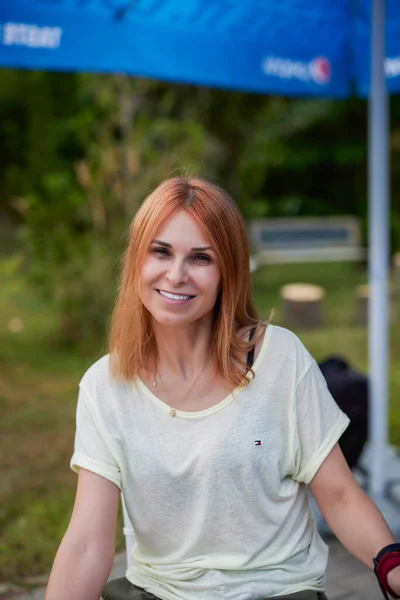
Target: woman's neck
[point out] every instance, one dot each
(183, 351)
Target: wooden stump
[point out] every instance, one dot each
(302, 305)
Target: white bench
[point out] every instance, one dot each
(305, 239)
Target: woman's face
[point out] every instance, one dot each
(180, 278)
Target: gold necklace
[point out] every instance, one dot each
(172, 411)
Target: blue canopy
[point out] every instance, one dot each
(286, 47)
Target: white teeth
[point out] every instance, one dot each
(173, 296)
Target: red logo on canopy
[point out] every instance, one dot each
(321, 70)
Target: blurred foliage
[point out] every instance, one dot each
(80, 152)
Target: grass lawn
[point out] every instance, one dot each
(38, 390)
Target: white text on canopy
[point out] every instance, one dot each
(32, 36)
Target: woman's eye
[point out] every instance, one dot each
(160, 251)
(164, 253)
(202, 258)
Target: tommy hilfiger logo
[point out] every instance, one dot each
(257, 443)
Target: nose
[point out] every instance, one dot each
(177, 274)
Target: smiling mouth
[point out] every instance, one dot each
(174, 296)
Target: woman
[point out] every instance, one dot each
(213, 424)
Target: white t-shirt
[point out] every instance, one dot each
(217, 498)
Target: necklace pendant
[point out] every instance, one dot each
(154, 383)
(172, 412)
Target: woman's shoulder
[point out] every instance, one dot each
(97, 375)
(281, 335)
(277, 344)
(101, 390)
(286, 347)
(266, 330)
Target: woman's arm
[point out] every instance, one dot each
(85, 556)
(353, 517)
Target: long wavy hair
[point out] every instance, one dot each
(132, 344)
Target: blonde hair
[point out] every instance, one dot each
(131, 341)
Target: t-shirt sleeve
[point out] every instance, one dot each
(317, 424)
(91, 450)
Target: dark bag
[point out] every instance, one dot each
(350, 390)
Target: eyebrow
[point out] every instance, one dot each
(166, 245)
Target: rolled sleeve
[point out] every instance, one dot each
(91, 450)
(317, 422)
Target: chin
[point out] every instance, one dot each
(172, 321)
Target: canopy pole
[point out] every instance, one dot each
(378, 192)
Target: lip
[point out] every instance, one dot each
(174, 302)
(175, 293)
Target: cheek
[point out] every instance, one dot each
(150, 270)
(211, 281)
(147, 275)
